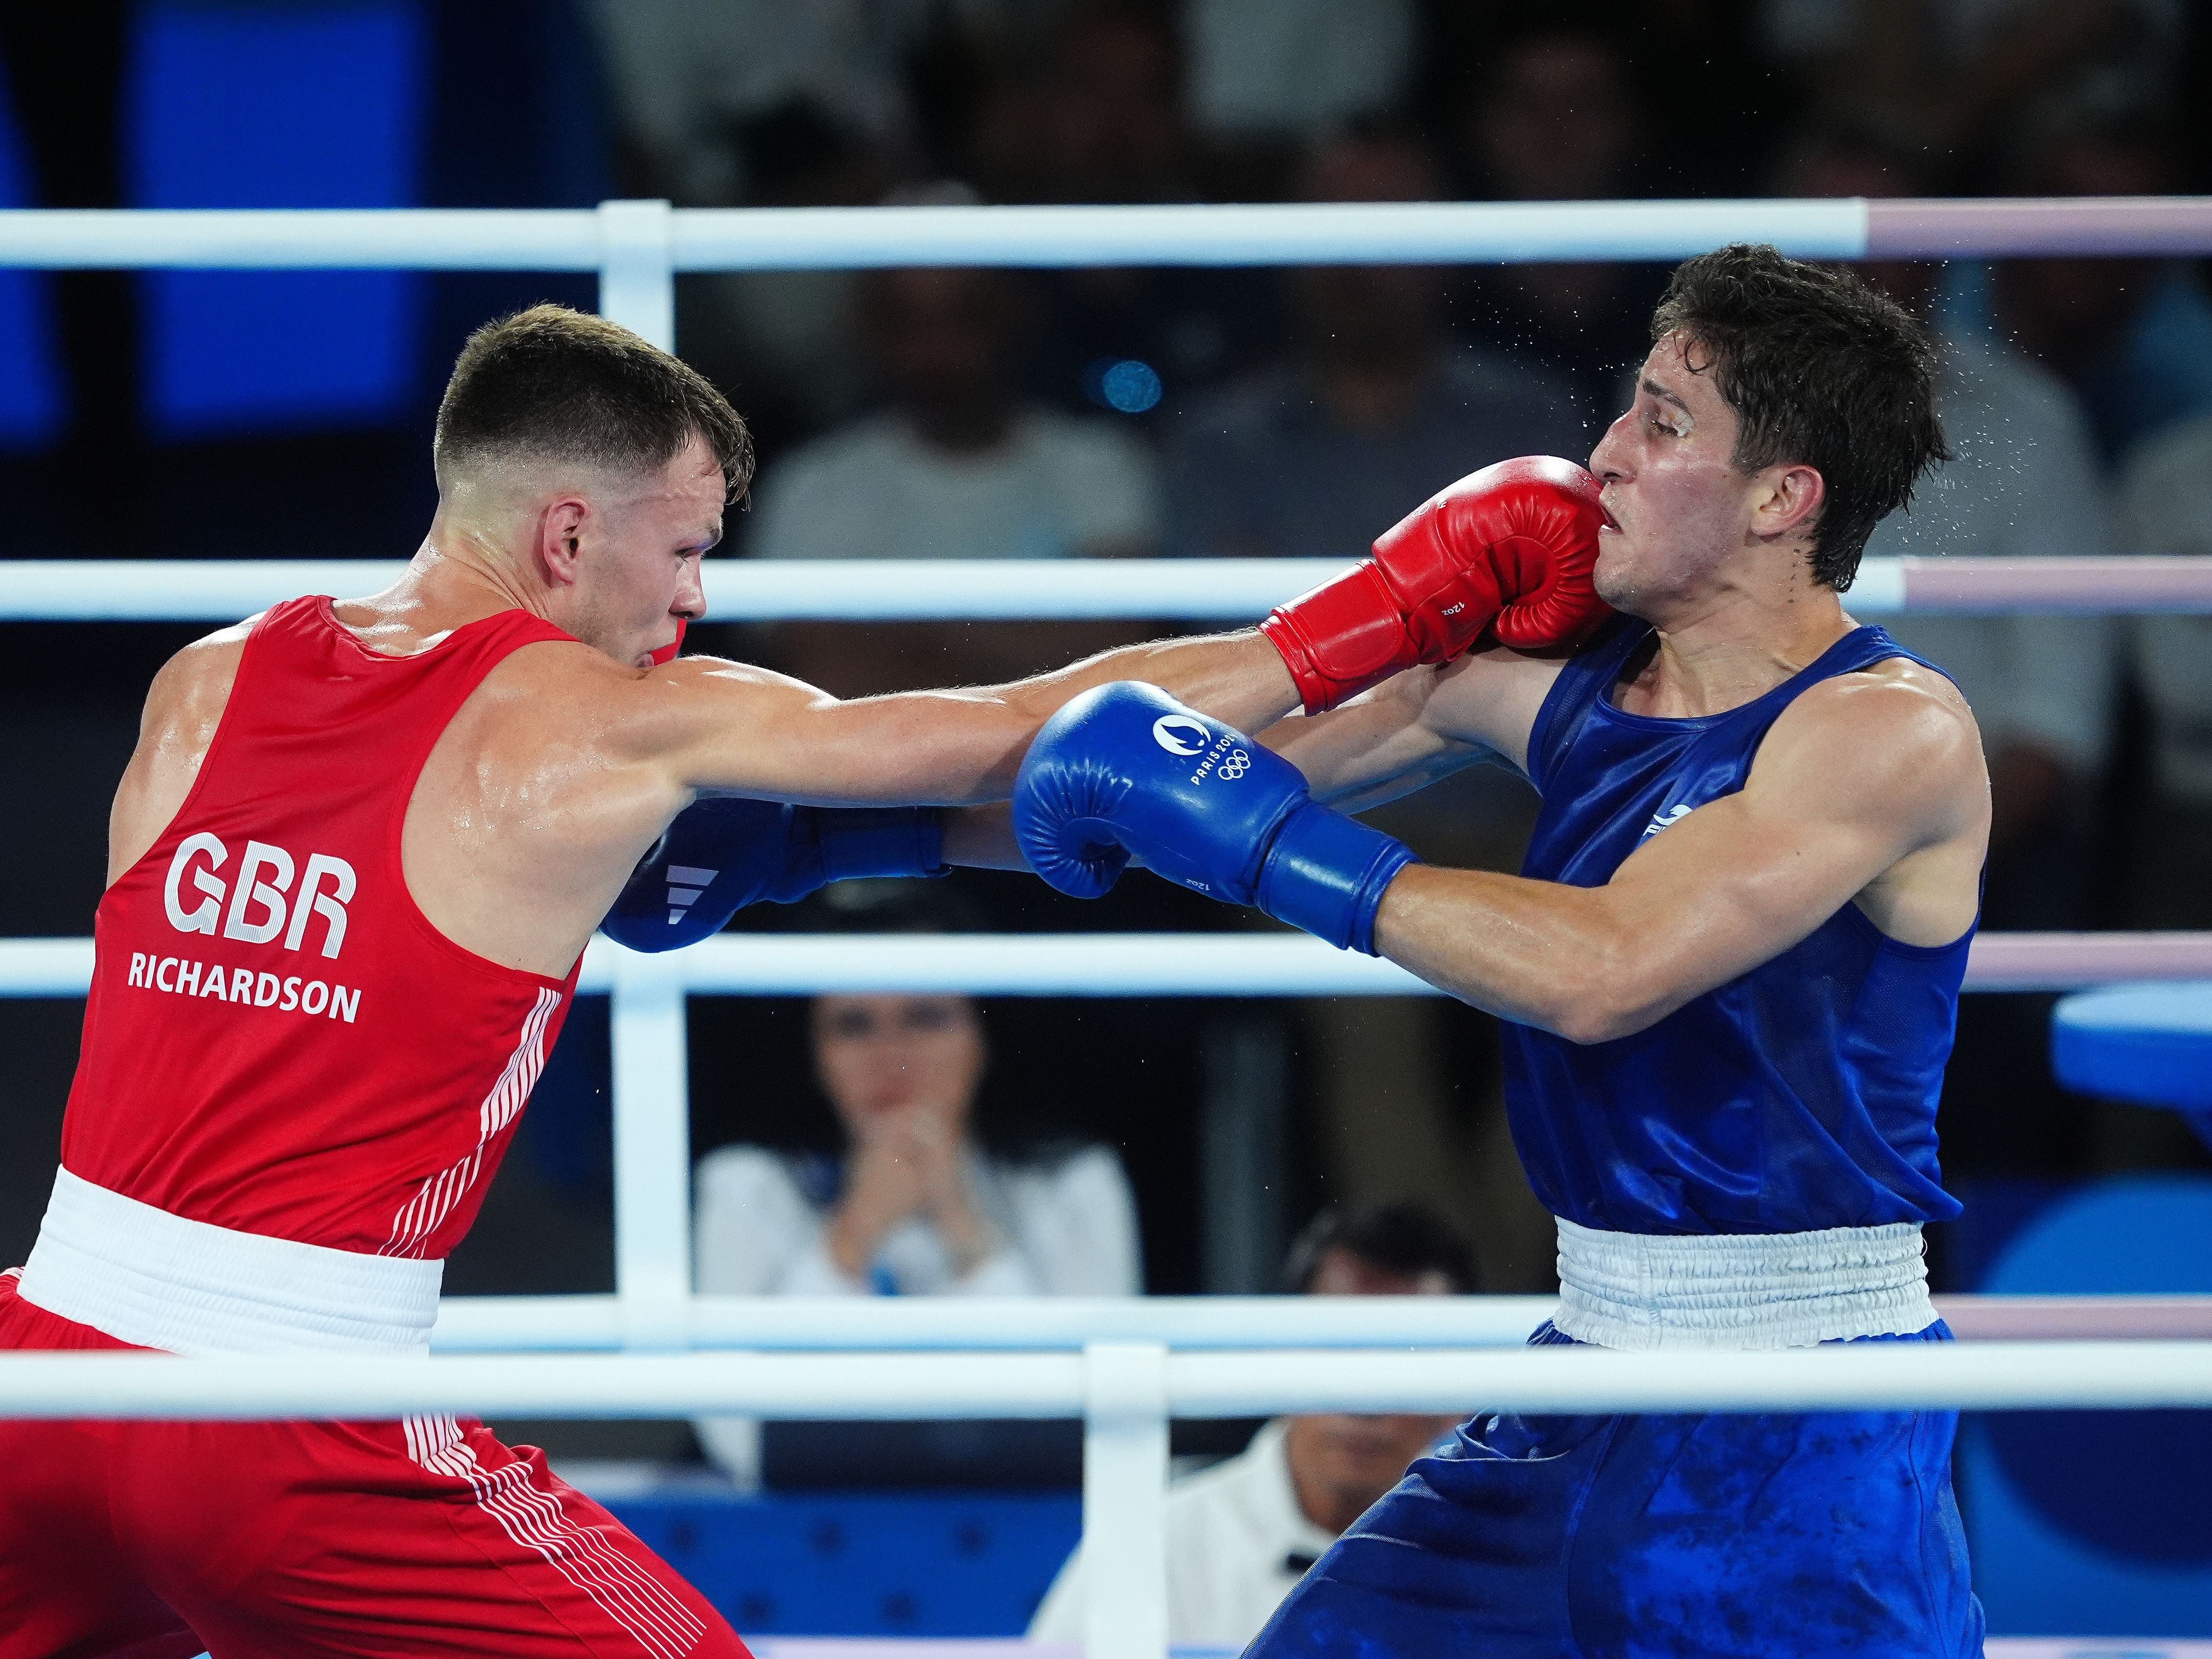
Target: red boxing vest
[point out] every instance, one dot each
(277, 1040)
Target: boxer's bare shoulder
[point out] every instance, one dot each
(1897, 723)
(565, 765)
(183, 706)
(1893, 749)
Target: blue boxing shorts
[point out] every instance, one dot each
(1637, 1537)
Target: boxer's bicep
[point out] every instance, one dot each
(1732, 885)
(1417, 727)
(1490, 698)
(1833, 803)
(1373, 749)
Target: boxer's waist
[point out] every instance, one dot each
(158, 1280)
(1741, 1290)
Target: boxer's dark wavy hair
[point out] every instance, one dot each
(565, 385)
(1819, 368)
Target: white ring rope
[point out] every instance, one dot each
(498, 1324)
(507, 1324)
(1258, 964)
(1857, 1376)
(1165, 590)
(792, 238)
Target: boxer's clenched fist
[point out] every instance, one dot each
(1512, 545)
(1125, 771)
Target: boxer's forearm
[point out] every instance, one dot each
(1237, 678)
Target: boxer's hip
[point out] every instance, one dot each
(1741, 1290)
(150, 1280)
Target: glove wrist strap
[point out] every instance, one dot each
(891, 841)
(1327, 873)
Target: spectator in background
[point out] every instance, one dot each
(2023, 481)
(1376, 410)
(913, 1203)
(1105, 121)
(1551, 117)
(1102, 120)
(1279, 75)
(1950, 78)
(958, 465)
(2133, 338)
(1241, 1534)
(2167, 501)
(767, 103)
(690, 76)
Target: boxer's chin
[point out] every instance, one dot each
(1612, 580)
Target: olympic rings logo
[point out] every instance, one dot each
(1238, 763)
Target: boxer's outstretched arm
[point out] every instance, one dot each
(726, 727)
(1872, 790)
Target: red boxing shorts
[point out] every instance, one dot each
(313, 1540)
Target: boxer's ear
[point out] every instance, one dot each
(1787, 500)
(562, 528)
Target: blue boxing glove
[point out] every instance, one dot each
(721, 854)
(1125, 771)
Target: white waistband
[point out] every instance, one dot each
(1741, 1290)
(157, 1280)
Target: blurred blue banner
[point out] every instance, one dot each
(31, 402)
(293, 106)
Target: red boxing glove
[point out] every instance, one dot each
(667, 653)
(1512, 544)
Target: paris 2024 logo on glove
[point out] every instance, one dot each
(1179, 734)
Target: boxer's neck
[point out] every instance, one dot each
(1752, 627)
(462, 572)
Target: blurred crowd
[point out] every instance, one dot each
(1222, 411)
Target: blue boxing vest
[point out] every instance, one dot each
(1798, 1097)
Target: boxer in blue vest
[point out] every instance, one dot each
(1729, 971)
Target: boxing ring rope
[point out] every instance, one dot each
(976, 590)
(638, 246)
(886, 1383)
(505, 1324)
(847, 238)
(1273, 964)
(1125, 1367)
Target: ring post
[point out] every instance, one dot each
(637, 268)
(652, 1150)
(1125, 1482)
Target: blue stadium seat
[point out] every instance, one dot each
(301, 106)
(2148, 1043)
(2095, 1523)
(919, 1564)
